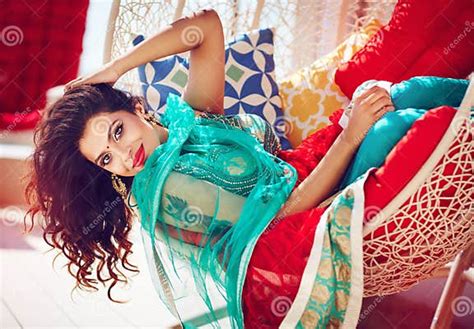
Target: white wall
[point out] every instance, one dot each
(94, 36)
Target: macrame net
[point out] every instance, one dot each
(430, 221)
(305, 30)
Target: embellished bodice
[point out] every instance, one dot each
(254, 125)
(231, 168)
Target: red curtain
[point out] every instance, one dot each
(40, 47)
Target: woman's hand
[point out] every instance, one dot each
(109, 73)
(368, 108)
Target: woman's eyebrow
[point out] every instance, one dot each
(108, 139)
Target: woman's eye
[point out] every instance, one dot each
(104, 163)
(118, 130)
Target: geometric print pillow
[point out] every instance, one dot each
(250, 85)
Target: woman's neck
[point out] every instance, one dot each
(161, 134)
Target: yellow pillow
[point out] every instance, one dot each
(310, 95)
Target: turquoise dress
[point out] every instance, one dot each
(237, 176)
(223, 151)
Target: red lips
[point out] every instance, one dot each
(139, 156)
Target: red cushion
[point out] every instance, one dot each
(452, 54)
(43, 50)
(413, 43)
(403, 162)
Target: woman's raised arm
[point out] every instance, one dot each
(202, 34)
(321, 182)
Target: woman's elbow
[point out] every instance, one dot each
(210, 12)
(212, 19)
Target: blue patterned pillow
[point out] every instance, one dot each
(250, 85)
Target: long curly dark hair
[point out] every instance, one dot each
(82, 214)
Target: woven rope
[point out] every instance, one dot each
(436, 228)
(305, 29)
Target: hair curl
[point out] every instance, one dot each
(82, 214)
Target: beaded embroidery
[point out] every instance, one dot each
(252, 124)
(237, 176)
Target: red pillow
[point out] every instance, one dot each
(452, 55)
(401, 165)
(422, 38)
(41, 48)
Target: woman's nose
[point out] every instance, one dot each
(125, 153)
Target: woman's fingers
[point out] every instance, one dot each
(72, 83)
(107, 74)
(376, 95)
(372, 95)
(380, 104)
(366, 94)
(382, 112)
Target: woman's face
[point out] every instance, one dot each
(128, 131)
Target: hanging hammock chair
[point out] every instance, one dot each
(412, 236)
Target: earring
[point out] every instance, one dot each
(150, 117)
(119, 186)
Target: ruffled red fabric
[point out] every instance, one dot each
(280, 255)
(306, 156)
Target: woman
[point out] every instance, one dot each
(200, 180)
